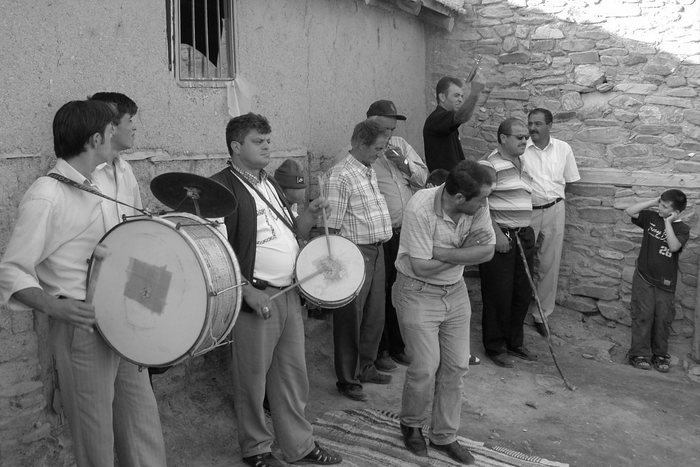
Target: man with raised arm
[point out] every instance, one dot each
(443, 149)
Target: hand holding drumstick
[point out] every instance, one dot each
(325, 218)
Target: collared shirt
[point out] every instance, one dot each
(510, 201)
(551, 169)
(276, 246)
(427, 226)
(397, 186)
(57, 229)
(357, 208)
(117, 181)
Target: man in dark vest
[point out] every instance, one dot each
(268, 337)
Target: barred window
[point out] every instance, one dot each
(201, 44)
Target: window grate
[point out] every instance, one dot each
(201, 45)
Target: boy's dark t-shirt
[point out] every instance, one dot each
(441, 140)
(656, 263)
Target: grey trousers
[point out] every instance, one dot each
(272, 351)
(358, 326)
(109, 403)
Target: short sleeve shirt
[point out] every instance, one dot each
(656, 263)
(426, 226)
(443, 150)
(510, 201)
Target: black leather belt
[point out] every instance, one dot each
(513, 230)
(548, 205)
(372, 244)
(262, 284)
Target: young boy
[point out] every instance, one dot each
(290, 177)
(655, 277)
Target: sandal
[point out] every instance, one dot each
(266, 459)
(662, 364)
(320, 456)
(641, 363)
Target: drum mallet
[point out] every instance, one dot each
(288, 288)
(100, 253)
(539, 308)
(325, 218)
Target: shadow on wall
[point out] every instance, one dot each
(622, 80)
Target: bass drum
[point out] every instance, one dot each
(164, 288)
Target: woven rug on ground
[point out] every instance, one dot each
(369, 437)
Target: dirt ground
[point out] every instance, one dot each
(617, 416)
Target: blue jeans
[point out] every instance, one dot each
(434, 322)
(652, 313)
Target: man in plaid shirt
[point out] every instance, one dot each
(359, 213)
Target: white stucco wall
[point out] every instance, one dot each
(317, 65)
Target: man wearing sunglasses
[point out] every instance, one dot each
(505, 288)
(552, 166)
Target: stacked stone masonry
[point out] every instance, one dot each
(622, 80)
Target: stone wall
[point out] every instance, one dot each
(622, 79)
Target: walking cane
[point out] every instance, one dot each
(544, 318)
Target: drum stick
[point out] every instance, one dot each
(287, 289)
(325, 219)
(533, 287)
(100, 253)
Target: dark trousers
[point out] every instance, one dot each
(357, 326)
(652, 313)
(506, 294)
(391, 337)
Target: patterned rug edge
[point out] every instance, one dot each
(336, 428)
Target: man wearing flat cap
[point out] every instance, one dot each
(290, 177)
(400, 173)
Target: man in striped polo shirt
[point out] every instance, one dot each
(505, 289)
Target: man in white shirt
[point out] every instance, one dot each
(551, 164)
(400, 173)
(115, 178)
(109, 402)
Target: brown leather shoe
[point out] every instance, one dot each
(376, 378)
(502, 360)
(353, 392)
(413, 440)
(385, 363)
(523, 353)
(456, 451)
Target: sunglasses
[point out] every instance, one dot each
(520, 137)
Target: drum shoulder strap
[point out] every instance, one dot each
(287, 219)
(90, 190)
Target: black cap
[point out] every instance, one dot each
(384, 108)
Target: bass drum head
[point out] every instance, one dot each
(150, 295)
(330, 290)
